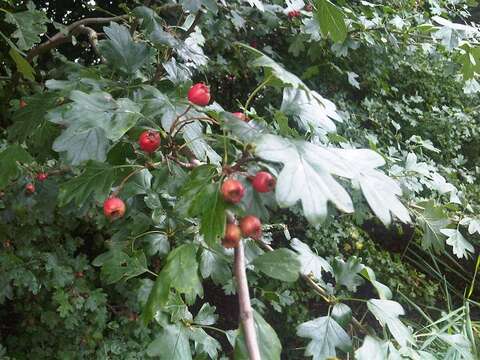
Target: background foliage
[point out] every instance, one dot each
(386, 270)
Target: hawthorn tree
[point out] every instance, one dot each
(197, 146)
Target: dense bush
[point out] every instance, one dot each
(365, 114)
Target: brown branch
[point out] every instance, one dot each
(92, 39)
(64, 36)
(246, 313)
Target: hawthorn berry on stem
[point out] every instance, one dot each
(263, 182)
(251, 226)
(114, 208)
(42, 176)
(149, 141)
(241, 116)
(232, 236)
(199, 94)
(30, 188)
(232, 191)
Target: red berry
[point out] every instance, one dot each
(263, 182)
(149, 141)
(251, 227)
(293, 14)
(79, 274)
(232, 236)
(232, 191)
(199, 94)
(254, 44)
(22, 104)
(30, 188)
(42, 176)
(114, 208)
(241, 116)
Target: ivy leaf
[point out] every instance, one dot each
(347, 273)
(23, 66)
(281, 264)
(432, 220)
(310, 110)
(270, 346)
(326, 335)
(9, 160)
(97, 179)
(461, 247)
(117, 265)
(387, 313)
(30, 25)
(171, 343)
(310, 262)
(121, 51)
(304, 176)
(331, 20)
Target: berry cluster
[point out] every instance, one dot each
(249, 225)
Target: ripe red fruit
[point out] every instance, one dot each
(22, 104)
(232, 191)
(149, 141)
(30, 188)
(241, 116)
(251, 227)
(114, 208)
(232, 236)
(199, 94)
(293, 14)
(263, 182)
(79, 274)
(42, 176)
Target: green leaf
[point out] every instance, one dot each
(432, 220)
(245, 131)
(206, 315)
(30, 25)
(310, 110)
(179, 273)
(171, 343)
(204, 343)
(117, 265)
(97, 179)
(383, 291)
(23, 66)
(304, 176)
(281, 264)
(270, 346)
(342, 314)
(387, 313)
(121, 51)
(461, 247)
(331, 20)
(215, 266)
(326, 335)
(347, 273)
(376, 349)
(9, 160)
(156, 243)
(212, 225)
(311, 263)
(138, 184)
(91, 120)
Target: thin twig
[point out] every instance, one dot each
(246, 313)
(65, 35)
